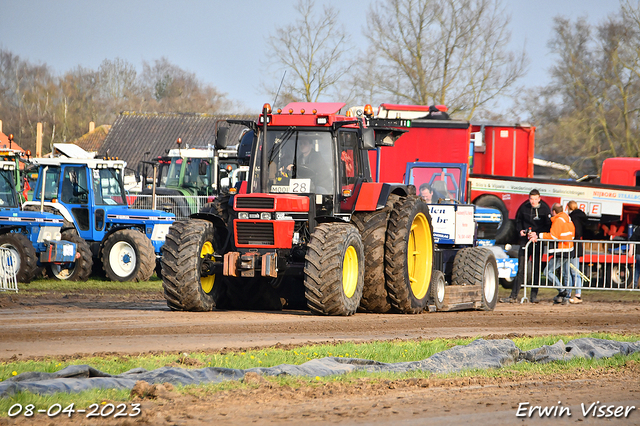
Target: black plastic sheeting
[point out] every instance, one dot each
(480, 354)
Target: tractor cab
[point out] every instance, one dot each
(313, 151)
(8, 199)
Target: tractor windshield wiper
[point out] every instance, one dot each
(286, 136)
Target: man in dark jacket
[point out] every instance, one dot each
(532, 218)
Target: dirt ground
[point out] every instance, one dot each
(97, 323)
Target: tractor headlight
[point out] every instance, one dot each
(243, 215)
(265, 216)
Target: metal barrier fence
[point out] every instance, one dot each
(590, 265)
(8, 271)
(181, 206)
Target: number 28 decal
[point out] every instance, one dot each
(300, 186)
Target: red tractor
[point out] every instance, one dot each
(310, 224)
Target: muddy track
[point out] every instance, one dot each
(69, 326)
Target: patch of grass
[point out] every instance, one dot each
(93, 285)
(389, 352)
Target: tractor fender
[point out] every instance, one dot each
(221, 230)
(55, 206)
(116, 229)
(374, 195)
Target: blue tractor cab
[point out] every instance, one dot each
(448, 183)
(89, 194)
(33, 238)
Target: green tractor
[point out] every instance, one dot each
(190, 179)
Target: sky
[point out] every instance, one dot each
(224, 42)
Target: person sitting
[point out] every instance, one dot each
(426, 193)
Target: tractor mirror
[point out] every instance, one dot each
(388, 136)
(222, 137)
(368, 139)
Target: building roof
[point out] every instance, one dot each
(135, 133)
(4, 143)
(93, 141)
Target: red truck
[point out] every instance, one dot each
(501, 166)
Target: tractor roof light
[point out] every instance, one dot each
(279, 111)
(315, 111)
(348, 114)
(302, 111)
(322, 120)
(368, 110)
(290, 110)
(267, 107)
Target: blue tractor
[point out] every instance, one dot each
(33, 238)
(89, 194)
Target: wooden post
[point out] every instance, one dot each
(92, 126)
(0, 126)
(39, 140)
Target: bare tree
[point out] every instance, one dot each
(313, 51)
(595, 89)
(450, 52)
(170, 88)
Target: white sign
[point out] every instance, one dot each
(598, 201)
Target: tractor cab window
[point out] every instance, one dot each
(300, 161)
(173, 174)
(348, 159)
(437, 183)
(7, 190)
(107, 187)
(75, 189)
(51, 182)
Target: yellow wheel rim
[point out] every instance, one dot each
(207, 282)
(350, 272)
(420, 256)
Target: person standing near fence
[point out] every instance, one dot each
(580, 220)
(532, 218)
(563, 231)
(635, 237)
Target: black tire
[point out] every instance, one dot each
(219, 206)
(409, 244)
(81, 269)
(507, 283)
(332, 248)
(373, 230)
(128, 255)
(158, 269)
(477, 266)
(23, 254)
(506, 232)
(437, 289)
(184, 288)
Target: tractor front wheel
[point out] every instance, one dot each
(409, 255)
(128, 255)
(334, 269)
(188, 244)
(80, 270)
(22, 258)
